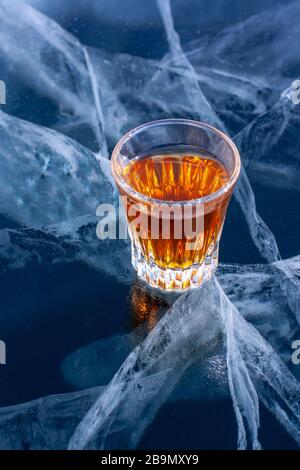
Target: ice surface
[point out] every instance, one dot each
(256, 290)
(46, 423)
(264, 45)
(147, 90)
(46, 177)
(261, 144)
(148, 375)
(39, 56)
(33, 425)
(135, 90)
(252, 362)
(180, 65)
(261, 234)
(237, 98)
(243, 68)
(193, 321)
(72, 240)
(96, 96)
(254, 370)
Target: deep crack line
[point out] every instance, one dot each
(98, 108)
(181, 61)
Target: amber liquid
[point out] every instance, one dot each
(179, 177)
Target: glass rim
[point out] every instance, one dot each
(130, 191)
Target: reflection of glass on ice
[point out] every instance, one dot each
(147, 306)
(177, 176)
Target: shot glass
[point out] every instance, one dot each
(176, 178)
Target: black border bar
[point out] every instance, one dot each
(139, 458)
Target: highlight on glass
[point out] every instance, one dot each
(176, 177)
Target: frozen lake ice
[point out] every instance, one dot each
(95, 360)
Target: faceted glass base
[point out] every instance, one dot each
(174, 280)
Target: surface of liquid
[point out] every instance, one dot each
(176, 177)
